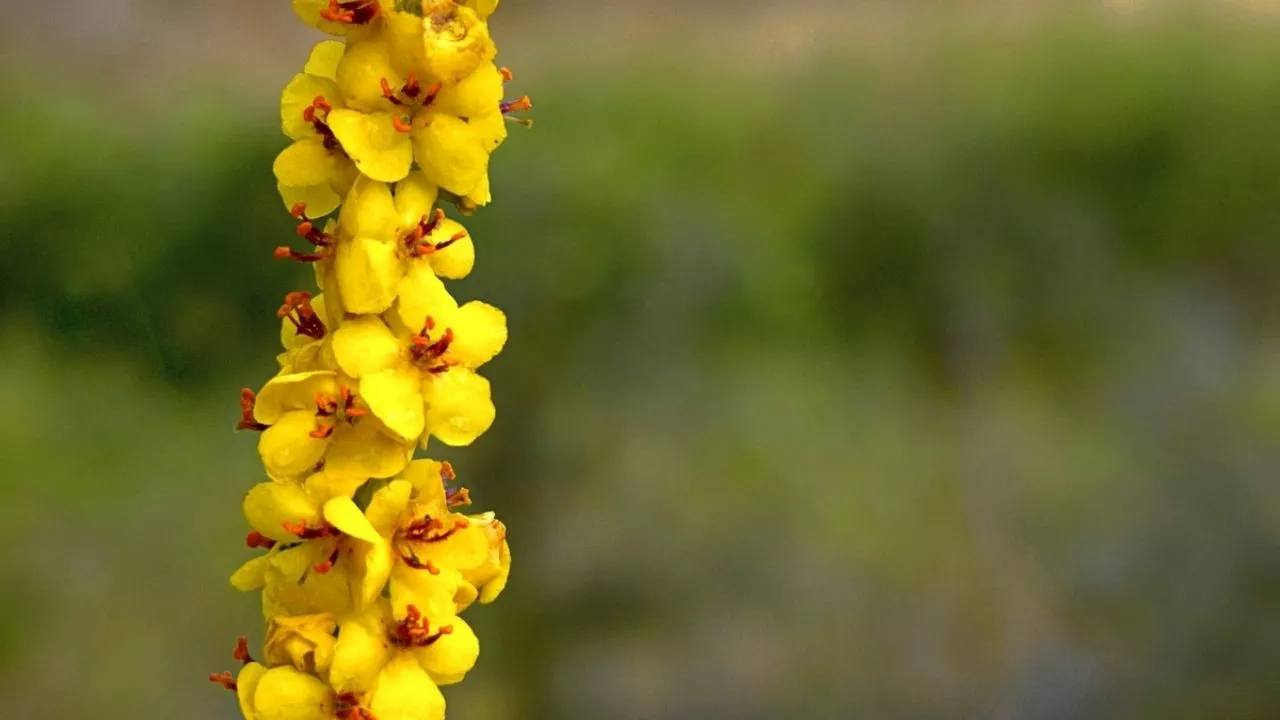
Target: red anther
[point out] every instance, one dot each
(447, 473)
(322, 431)
(459, 497)
(257, 540)
(242, 651)
(432, 92)
(411, 86)
(321, 103)
(441, 368)
(282, 253)
(400, 125)
(387, 92)
(415, 631)
(412, 561)
(507, 75)
(226, 680)
(299, 210)
(303, 532)
(325, 405)
(327, 566)
(523, 103)
(247, 400)
(297, 308)
(348, 708)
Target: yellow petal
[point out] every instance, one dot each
(452, 154)
(415, 197)
(370, 211)
(342, 513)
(294, 391)
(479, 332)
(284, 693)
(246, 685)
(324, 59)
(322, 486)
(320, 199)
(394, 396)
(298, 95)
(448, 659)
(459, 407)
(365, 450)
(387, 505)
(378, 149)
(369, 273)
(288, 449)
(478, 197)
(360, 74)
(479, 94)
(494, 587)
(268, 506)
(251, 575)
(361, 651)
(364, 346)
(427, 478)
(430, 593)
(463, 550)
(404, 691)
(423, 295)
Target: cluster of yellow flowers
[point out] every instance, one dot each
(366, 565)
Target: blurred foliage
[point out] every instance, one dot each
(933, 383)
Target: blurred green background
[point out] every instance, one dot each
(907, 360)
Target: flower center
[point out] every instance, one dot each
(415, 241)
(410, 98)
(330, 409)
(297, 308)
(415, 631)
(352, 12)
(427, 353)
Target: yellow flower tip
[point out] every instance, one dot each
(306, 642)
(456, 40)
(286, 693)
(452, 655)
(404, 691)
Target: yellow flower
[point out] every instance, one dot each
(314, 170)
(377, 642)
(420, 383)
(379, 233)
(304, 641)
(450, 127)
(314, 416)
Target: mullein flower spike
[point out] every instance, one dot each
(365, 560)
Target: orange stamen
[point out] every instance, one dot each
(242, 651)
(507, 75)
(523, 103)
(226, 680)
(247, 401)
(256, 540)
(401, 126)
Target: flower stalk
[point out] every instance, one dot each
(365, 554)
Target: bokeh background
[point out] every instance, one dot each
(868, 359)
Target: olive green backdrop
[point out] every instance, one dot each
(935, 377)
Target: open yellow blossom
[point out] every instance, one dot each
(314, 416)
(448, 129)
(424, 382)
(382, 232)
